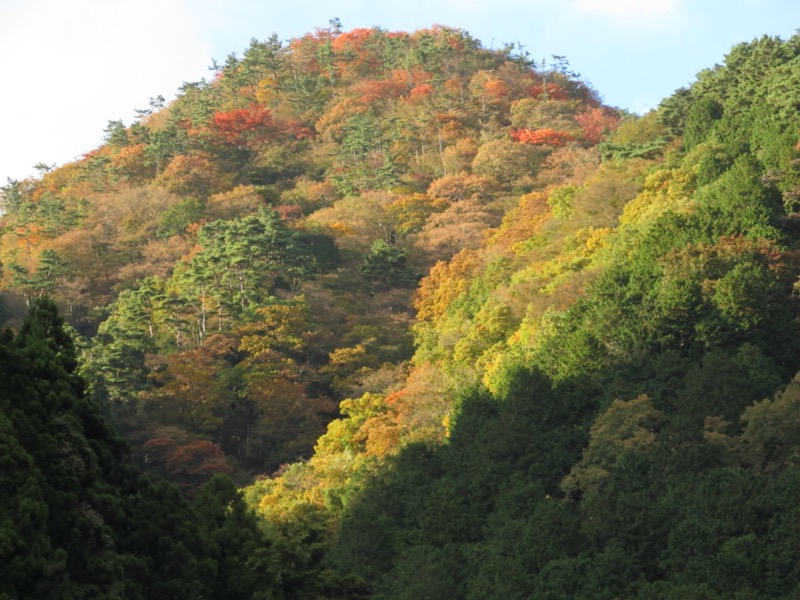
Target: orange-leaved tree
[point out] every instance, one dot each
(541, 137)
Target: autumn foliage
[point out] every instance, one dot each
(541, 137)
(461, 329)
(243, 126)
(597, 123)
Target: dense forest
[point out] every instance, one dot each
(377, 314)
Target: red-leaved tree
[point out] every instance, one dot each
(596, 123)
(244, 127)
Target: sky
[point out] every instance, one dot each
(69, 67)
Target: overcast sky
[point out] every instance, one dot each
(70, 66)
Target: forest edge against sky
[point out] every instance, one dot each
(634, 53)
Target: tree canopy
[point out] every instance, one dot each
(394, 315)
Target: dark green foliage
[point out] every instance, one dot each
(672, 110)
(239, 266)
(244, 564)
(316, 252)
(178, 217)
(164, 144)
(725, 383)
(116, 134)
(433, 509)
(649, 149)
(76, 521)
(363, 160)
(166, 555)
(116, 364)
(475, 519)
(700, 120)
(65, 452)
(243, 261)
(385, 267)
(709, 161)
(738, 202)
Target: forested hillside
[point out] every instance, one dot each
(455, 327)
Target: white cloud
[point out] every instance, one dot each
(630, 12)
(70, 67)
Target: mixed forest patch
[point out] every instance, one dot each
(455, 328)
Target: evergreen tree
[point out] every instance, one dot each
(385, 267)
(77, 520)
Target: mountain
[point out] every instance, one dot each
(461, 330)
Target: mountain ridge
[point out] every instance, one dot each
(534, 313)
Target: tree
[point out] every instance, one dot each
(738, 202)
(772, 428)
(385, 267)
(68, 452)
(513, 165)
(624, 427)
(541, 137)
(700, 119)
(192, 176)
(239, 264)
(460, 226)
(246, 127)
(364, 162)
(116, 134)
(597, 123)
(245, 565)
(530, 113)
